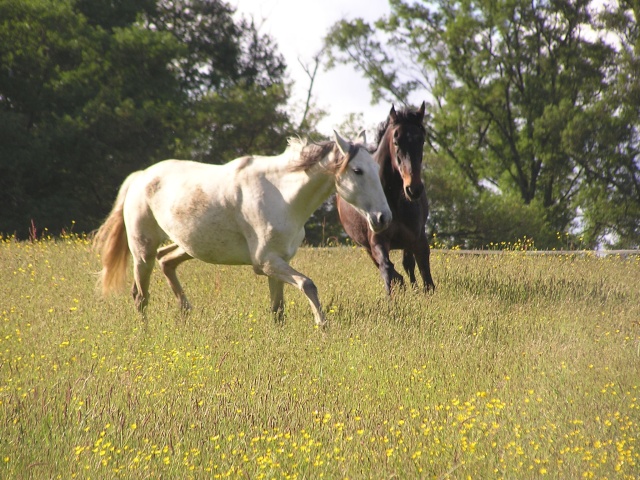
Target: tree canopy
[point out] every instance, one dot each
(533, 113)
(91, 90)
(533, 107)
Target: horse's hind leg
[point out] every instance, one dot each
(142, 268)
(169, 258)
(276, 289)
(144, 235)
(409, 265)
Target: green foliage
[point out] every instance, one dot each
(91, 91)
(465, 217)
(522, 100)
(241, 120)
(518, 366)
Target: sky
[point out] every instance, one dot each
(299, 27)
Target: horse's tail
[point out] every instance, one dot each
(111, 242)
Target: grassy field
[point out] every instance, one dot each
(517, 367)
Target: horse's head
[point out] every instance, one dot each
(405, 136)
(358, 182)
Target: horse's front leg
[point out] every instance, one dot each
(380, 255)
(422, 255)
(279, 270)
(276, 289)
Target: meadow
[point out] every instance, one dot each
(518, 367)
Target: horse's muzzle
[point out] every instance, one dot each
(413, 192)
(379, 221)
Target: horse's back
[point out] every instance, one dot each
(171, 187)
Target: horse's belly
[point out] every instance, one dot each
(208, 238)
(206, 228)
(221, 247)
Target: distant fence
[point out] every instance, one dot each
(577, 253)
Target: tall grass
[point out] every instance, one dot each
(517, 367)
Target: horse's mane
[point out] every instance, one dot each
(404, 115)
(312, 153)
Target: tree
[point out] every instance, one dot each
(68, 98)
(516, 89)
(610, 150)
(91, 90)
(237, 121)
(234, 76)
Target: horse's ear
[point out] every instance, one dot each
(421, 111)
(362, 137)
(393, 116)
(343, 144)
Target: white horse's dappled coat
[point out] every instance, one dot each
(250, 211)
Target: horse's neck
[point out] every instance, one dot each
(389, 176)
(305, 191)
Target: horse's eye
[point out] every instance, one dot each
(357, 170)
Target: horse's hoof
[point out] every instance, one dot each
(278, 317)
(322, 324)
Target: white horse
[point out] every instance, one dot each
(250, 211)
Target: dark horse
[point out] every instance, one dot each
(400, 141)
